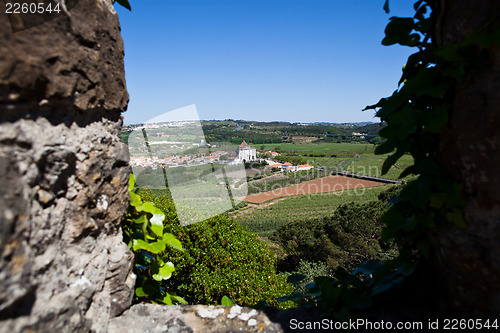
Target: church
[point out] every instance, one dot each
(246, 152)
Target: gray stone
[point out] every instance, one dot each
(64, 178)
(64, 173)
(192, 318)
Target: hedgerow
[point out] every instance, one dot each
(220, 258)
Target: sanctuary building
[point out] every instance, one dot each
(246, 152)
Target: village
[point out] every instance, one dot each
(243, 154)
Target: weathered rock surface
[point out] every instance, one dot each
(192, 318)
(63, 181)
(64, 173)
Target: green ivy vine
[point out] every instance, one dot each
(415, 115)
(145, 235)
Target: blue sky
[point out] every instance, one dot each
(289, 60)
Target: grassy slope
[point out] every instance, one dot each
(329, 148)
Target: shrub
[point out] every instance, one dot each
(307, 270)
(346, 239)
(220, 258)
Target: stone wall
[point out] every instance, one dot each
(64, 179)
(63, 173)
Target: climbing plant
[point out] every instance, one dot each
(144, 233)
(415, 115)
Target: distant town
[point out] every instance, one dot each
(184, 143)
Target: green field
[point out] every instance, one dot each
(302, 208)
(357, 158)
(371, 165)
(319, 148)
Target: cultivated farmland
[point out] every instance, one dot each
(264, 219)
(326, 184)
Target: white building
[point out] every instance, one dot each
(246, 152)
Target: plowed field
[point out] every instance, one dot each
(320, 185)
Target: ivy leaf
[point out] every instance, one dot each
(178, 299)
(156, 220)
(125, 4)
(139, 292)
(379, 104)
(385, 147)
(398, 31)
(417, 4)
(456, 217)
(392, 218)
(390, 161)
(310, 286)
(156, 247)
(141, 219)
(131, 182)
(387, 283)
(417, 193)
(386, 6)
(167, 299)
(226, 301)
(397, 99)
(368, 267)
(429, 167)
(295, 278)
(435, 120)
(135, 200)
(164, 272)
(171, 241)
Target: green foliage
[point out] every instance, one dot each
(345, 239)
(371, 165)
(144, 233)
(256, 164)
(226, 301)
(220, 258)
(306, 271)
(318, 148)
(346, 294)
(295, 160)
(415, 114)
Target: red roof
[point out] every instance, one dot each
(244, 144)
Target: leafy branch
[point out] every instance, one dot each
(145, 234)
(415, 115)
